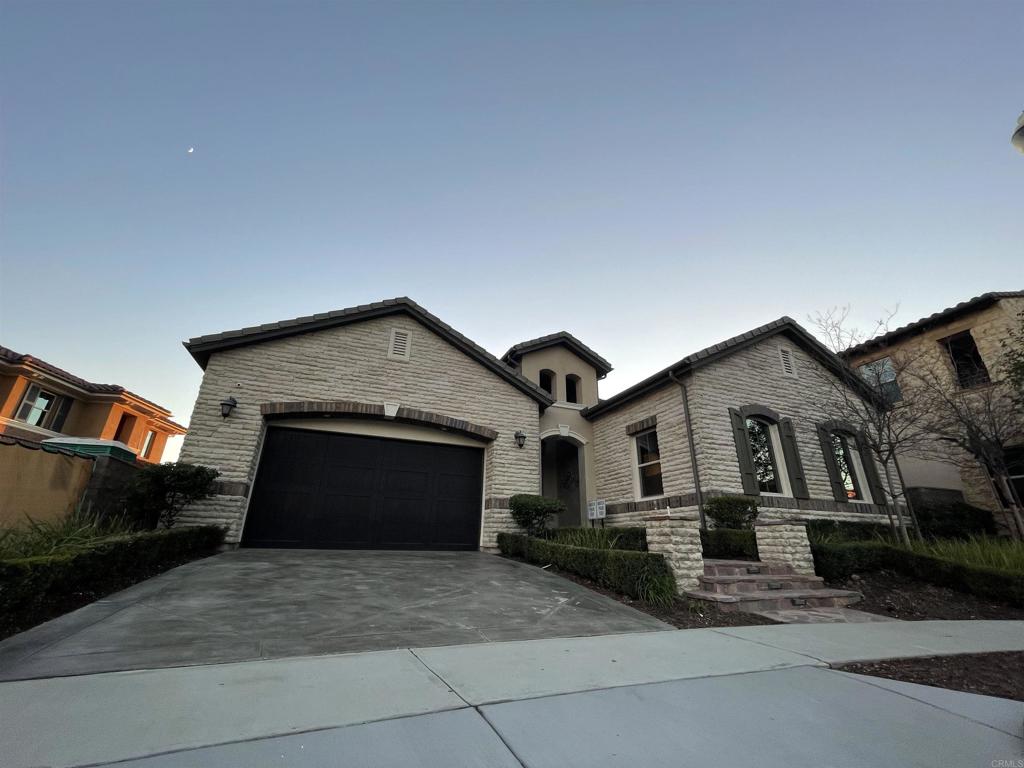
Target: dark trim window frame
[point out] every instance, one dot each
(767, 452)
(767, 467)
(648, 464)
(969, 369)
(42, 408)
(880, 375)
(850, 464)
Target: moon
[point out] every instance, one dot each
(191, 150)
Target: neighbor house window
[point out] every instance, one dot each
(125, 427)
(1015, 467)
(572, 388)
(147, 444)
(547, 381)
(880, 375)
(40, 408)
(968, 366)
(648, 462)
(763, 451)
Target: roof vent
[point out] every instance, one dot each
(398, 348)
(788, 364)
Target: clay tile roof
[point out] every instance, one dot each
(201, 347)
(565, 339)
(950, 313)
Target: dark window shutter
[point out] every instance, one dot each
(838, 491)
(878, 494)
(794, 466)
(746, 459)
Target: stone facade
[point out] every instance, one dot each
(351, 363)
(677, 539)
(785, 543)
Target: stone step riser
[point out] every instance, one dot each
(730, 570)
(781, 604)
(759, 585)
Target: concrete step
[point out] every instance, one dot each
(759, 582)
(743, 568)
(780, 600)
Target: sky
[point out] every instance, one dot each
(652, 177)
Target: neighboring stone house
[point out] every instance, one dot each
(381, 427)
(963, 345)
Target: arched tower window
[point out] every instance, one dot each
(572, 388)
(547, 381)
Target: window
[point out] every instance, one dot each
(125, 427)
(147, 444)
(572, 388)
(880, 375)
(399, 345)
(766, 465)
(847, 459)
(547, 381)
(40, 408)
(850, 465)
(648, 462)
(788, 364)
(968, 366)
(1015, 466)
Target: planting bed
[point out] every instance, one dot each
(990, 674)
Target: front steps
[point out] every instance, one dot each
(741, 585)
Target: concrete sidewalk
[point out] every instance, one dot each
(650, 698)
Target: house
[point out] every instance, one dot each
(40, 401)
(380, 426)
(963, 344)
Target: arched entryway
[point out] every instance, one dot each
(562, 477)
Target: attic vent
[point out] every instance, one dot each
(788, 364)
(398, 348)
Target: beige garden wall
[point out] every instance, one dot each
(39, 484)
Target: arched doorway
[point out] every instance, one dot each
(562, 477)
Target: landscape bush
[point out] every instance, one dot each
(842, 530)
(736, 512)
(159, 492)
(76, 530)
(836, 561)
(729, 544)
(600, 538)
(957, 520)
(34, 589)
(532, 512)
(642, 575)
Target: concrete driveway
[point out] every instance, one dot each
(263, 604)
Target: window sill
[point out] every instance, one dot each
(567, 404)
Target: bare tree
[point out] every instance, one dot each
(890, 423)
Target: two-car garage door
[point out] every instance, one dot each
(329, 490)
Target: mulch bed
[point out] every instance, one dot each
(990, 674)
(889, 594)
(682, 614)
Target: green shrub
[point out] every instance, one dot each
(837, 561)
(643, 575)
(532, 512)
(954, 521)
(988, 552)
(159, 492)
(729, 544)
(736, 512)
(34, 589)
(600, 538)
(842, 530)
(75, 530)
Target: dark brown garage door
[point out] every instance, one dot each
(329, 491)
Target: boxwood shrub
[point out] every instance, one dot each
(838, 560)
(729, 544)
(643, 575)
(600, 538)
(34, 589)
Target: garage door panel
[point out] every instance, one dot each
(321, 489)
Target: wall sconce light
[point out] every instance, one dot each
(520, 438)
(227, 405)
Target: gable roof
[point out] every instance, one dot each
(949, 314)
(201, 347)
(10, 357)
(784, 325)
(565, 339)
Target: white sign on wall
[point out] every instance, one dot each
(596, 509)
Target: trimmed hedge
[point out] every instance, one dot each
(735, 512)
(34, 589)
(954, 521)
(643, 575)
(634, 539)
(831, 530)
(729, 544)
(838, 561)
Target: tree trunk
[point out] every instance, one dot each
(910, 506)
(904, 536)
(1013, 502)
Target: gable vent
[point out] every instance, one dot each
(788, 364)
(398, 348)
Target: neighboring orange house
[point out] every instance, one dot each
(39, 401)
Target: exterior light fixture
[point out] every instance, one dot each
(227, 405)
(1018, 135)
(520, 438)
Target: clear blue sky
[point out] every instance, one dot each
(652, 177)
